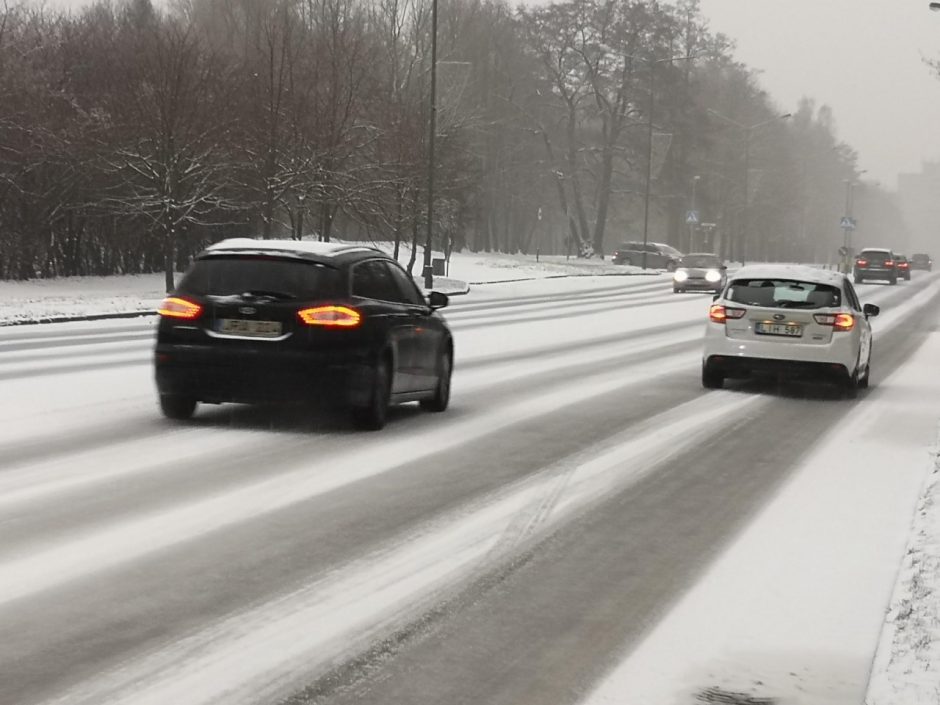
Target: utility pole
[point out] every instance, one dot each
(432, 130)
(692, 225)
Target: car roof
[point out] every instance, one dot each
(877, 249)
(325, 252)
(800, 272)
(700, 254)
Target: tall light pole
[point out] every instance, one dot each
(432, 130)
(649, 145)
(747, 130)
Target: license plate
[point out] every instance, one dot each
(786, 329)
(255, 329)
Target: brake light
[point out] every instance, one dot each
(174, 307)
(333, 316)
(719, 313)
(903, 265)
(889, 263)
(839, 321)
(861, 262)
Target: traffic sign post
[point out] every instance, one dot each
(848, 224)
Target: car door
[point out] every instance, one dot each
(379, 297)
(864, 325)
(428, 331)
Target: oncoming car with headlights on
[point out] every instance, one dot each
(794, 322)
(262, 321)
(702, 271)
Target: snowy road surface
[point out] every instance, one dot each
(512, 550)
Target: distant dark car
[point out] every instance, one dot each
(921, 260)
(700, 271)
(875, 263)
(260, 321)
(904, 267)
(658, 255)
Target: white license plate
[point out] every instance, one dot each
(257, 329)
(786, 329)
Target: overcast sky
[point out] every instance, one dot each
(862, 57)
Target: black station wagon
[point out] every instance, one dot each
(261, 321)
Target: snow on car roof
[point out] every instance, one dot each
(308, 247)
(799, 272)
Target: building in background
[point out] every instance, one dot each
(919, 200)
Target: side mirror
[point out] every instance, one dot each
(437, 300)
(715, 297)
(870, 310)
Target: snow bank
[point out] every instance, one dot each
(907, 666)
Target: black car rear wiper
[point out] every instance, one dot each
(265, 294)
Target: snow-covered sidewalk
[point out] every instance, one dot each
(792, 612)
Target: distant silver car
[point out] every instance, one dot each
(699, 271)
(656, 255)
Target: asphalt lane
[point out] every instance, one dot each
(537, 622)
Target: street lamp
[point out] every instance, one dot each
(432, 129)
(748, 130)
(649, 147)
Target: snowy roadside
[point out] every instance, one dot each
(89, 298)
(792, 612)
(907, 665)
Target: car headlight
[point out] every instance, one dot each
(681, 275)
(713, 276)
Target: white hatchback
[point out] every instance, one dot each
(791, 321)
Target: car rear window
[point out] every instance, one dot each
(225, 276)
(876, 256)
(783, 293)
(699, 261)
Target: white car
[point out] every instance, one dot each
(792, 321)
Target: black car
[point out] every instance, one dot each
(903, 266)
(875, 263)
(921, 260)
(261, 321)
(655, 254)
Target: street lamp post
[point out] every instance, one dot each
(748, 131)
(695, 180)
(432, 129)
(649, 144)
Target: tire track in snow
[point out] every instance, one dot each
(265, 652)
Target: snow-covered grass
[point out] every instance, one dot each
(76, 297)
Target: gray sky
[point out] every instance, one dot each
(864, 58)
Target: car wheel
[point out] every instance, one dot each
(177, 406)
(441, 397)
(850, 385)
(670, 266)
(893, 281)
(373, 416)
(676, 290)
(858, 279)
(712, 378)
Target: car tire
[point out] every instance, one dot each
(893, 281)
(857, 279)
(671, 266)
(712, 378)
(177, 406)
(374, 415)
(676, 290)
(851, 385)
(441, 398)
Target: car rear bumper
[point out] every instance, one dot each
(791, 369)
(698, 285)
(212, 375)
(871, 273)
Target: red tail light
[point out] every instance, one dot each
(889, 263)
(719, 313)
(174, 307)
(839, 321)
(333, 316)
(861, 262)
(903, 265)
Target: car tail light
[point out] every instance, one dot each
(174, 307)
(839, 321)
(903, 265)
(861, 263)
(889, 263)
(719, 313)
(332, 316)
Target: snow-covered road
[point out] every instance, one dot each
(508, 551)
